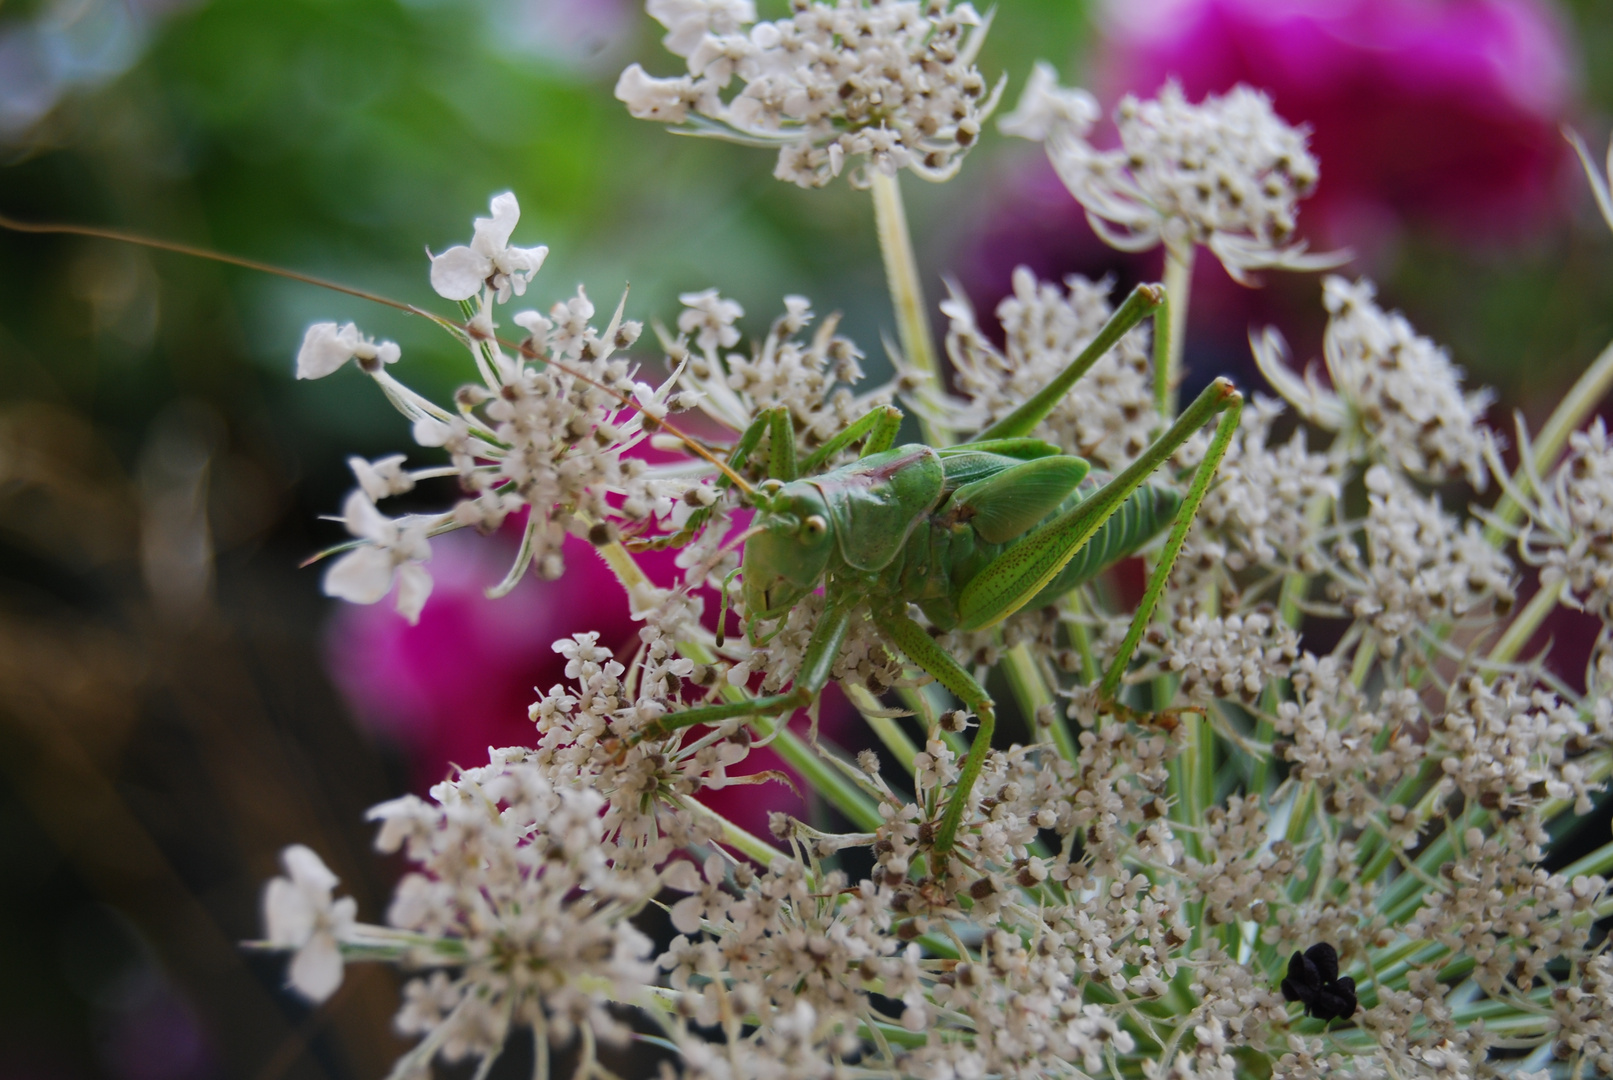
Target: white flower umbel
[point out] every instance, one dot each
(892, 83)
(299, 914)
(1393, 391)
(1325, 744)
(1227, 173)
(1569, 532)
(815, 377)
(543, 431)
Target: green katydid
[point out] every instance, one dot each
(970, 533)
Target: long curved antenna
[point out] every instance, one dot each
(626, 401)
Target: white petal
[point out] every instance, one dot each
(414, 586)
(316, 970)
(288, 916)
(529, 259)
(682, 876)
(493, 234)
(363, 519)
(458, 273)
(307, 868)
(362, 576)
(686, 914)
(429, 431)
(325, 348)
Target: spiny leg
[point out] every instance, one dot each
(1202, 477)
(879, 425)
(1017, 575)
(921, 648)
(1143, 302)
(822, 650)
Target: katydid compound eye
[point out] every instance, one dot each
(815, 526)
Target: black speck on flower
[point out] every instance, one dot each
(1313, 979)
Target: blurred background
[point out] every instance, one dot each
(178, 701)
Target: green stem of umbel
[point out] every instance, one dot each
(907, 292)
(1583, 397)
(1168, 338)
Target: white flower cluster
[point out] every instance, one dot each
(545, 431)
(1569, 534)
(1262, 497)
(889, 81)
(1420, 567)
(814, 377)
(1227, 173)
(1391, 388)
(1108, 421)
(1284, 847)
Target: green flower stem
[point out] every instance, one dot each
(1523, 627)
(907, 292)
(1586, 393)
(885, 727)
(1032, 692)
(1168, 346)
(746, 843)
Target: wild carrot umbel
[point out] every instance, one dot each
(1290, 815)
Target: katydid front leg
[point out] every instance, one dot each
(823, 648)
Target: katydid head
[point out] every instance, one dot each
(788, 549)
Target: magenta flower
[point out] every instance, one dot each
(1437, 111)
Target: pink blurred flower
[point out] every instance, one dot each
(1437, 111)
(460, 680)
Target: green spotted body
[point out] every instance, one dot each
(970, 533)
(904, 528)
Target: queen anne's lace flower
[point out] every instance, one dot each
(1570, 530)
(392, 551)
(326, 347)
(1119, 899)
(1419, 567)
(1392, 389)
(1227, 173)
(891, 81)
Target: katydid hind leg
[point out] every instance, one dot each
(1023, 570)
(1203, 475)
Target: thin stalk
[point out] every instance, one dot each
(907, 292)
(1522, 628)
(1032, 692)
(884, 726)
(1168, 353)
(746, 843)
(1583, 397)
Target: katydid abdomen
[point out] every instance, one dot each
(943, 554)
